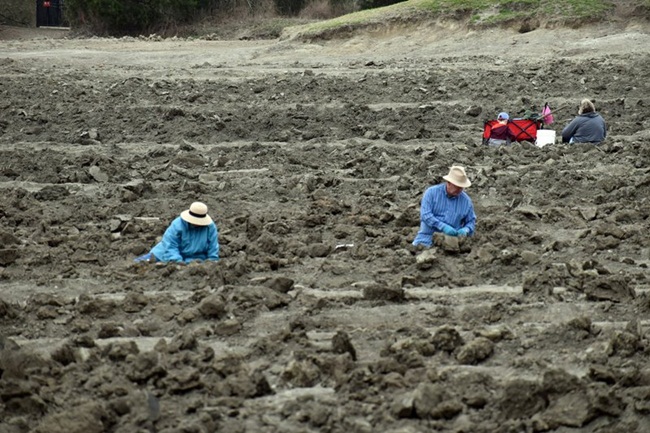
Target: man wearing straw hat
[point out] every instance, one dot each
(446, 208)
(190, 237)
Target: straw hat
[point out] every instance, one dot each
(197, 214)
(457, 176)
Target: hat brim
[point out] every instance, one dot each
(465, 184)
(202, 221)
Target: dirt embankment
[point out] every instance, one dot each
(320, 316)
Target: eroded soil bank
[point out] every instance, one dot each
(312, 159)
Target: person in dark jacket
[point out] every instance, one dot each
(587, 127)
(192, 236)
(501, 134)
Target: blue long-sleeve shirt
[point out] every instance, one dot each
(185, 242)
(438, 209)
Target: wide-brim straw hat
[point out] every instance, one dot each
(458, 177)
(197, 214)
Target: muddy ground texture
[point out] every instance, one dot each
(320, 316)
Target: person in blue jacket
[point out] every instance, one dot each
(190, 237)
(446, 208)
(587, 127)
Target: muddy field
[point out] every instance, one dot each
(312, 157)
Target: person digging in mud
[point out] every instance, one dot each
(446, 208)
(587, 127)
(501, 134)
(192, 236)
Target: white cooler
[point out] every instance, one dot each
(544, 137)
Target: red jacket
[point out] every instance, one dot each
(502, 132)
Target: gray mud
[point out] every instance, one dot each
(312, 159)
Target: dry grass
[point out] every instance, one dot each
(474, 13)
(324, 10)
(238, 20)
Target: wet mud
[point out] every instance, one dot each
(320, 315)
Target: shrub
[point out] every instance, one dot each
(371, 4)
(17, 12)
(326, 9)
(289, 7)
(129, 16)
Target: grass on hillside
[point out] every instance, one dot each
(480, 12)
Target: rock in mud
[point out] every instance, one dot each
(448, 244)
(134, 302)
(319, 250)
(402, 406)
(615, 288)
(521, 399)
(626, 343)
(588, 213)
(81, 418)
(606, 400)
(529, 257)
(474, 110)
(418, 344)
(301, 373)
(571, 410)
(558, 381)
(227, 327)
(426, 259)
(213, 307)
(435, 402)
(66, 354)
(187, 340)
(8, 256)
(581, 323)
(52, 193)
(144, 366)
(381, 292)
(119, 351)
(252, 297)
(7, 310)
(183, 380)
(98, 174)
(543, 282)
(96, 308)
(447, 339)
(7, 238)
(341, 344)
(280, 284)
(475, 351)
(16, 362)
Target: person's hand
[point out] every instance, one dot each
(463, 232)
(449, 230)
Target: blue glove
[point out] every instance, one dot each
(449, 230)
(463, 232)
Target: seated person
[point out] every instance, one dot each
(501, 133)
(446, 208)
(191, 236)
(587, 127)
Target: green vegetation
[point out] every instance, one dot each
(565, 8)
(166, 17)
(477, 13)
(17, 12)
(271, 18)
